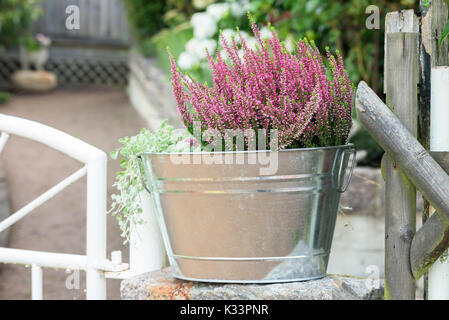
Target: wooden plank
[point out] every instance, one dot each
(124, 27)
(400, 217)
(114, 11)
(94, 19)
(59, 17)
(429, 243)
(400, 194)
(399, 21)
(433, 21)
(84, 18)
(49, 11)
(104, 18)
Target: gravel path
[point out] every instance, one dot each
(96, 116)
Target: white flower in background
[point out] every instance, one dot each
(251, 42)
(197, 47)
(228, 34)
(192, 46)
(241, 54)
(224, 55)
(210, 45)
(187, 60)
(217, 10)
(265, 32)
(204, 25)
(244, 34)
(201, 4)
(290, 43)
(239, 8)
(188, 79)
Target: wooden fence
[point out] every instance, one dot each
(412, 51)
(102, 22)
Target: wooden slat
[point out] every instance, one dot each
(400, 194)
(399, 21)
(104, 18)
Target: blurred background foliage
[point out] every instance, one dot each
(338, 24)
(16, 19)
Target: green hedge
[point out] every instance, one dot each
(145, 16)
(4, 97)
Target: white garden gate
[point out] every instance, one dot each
(94, 262)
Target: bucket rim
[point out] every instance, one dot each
(344, 146)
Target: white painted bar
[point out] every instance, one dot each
(439, 109)
(146, 248)
(51, 137)
(116, 257)
(3, 139)
(37, 285)
(439, 141)
(43, 259)
(96, 226)
(6, 223)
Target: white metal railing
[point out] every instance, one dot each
(94, 262)
(147, 251)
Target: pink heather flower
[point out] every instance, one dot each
(270, 88)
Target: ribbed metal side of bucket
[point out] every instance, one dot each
(225, 222)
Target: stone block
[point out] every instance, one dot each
(160, 285)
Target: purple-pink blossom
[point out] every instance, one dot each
(307, 98)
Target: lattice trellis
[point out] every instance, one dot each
(7, 67)
(74, 72)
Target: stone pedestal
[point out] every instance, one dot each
(160, 285)
(34, 81)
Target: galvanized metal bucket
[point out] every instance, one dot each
(227, 223)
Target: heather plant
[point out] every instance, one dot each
(306, 99)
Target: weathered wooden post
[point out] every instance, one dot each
(421, 168)
(408, 256)
(401, 75)
(433, 20)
